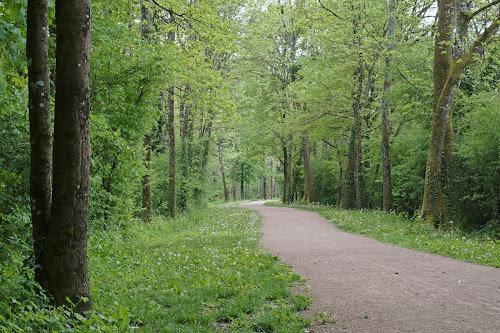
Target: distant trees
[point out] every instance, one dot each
(365, 77)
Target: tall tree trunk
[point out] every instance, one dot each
(184, 111)
(341, 177)
(386, 130)
(352, 185)
(271, 189)
(40, 128)
(286, 174)
(242, 182)
(66, 251)
(288, 194)
(447, 75)
(434, 207)
(146, 28)
(146, 180)
(172, 204)
(222, 171)
(264, 188)
(357, 143)
(308, 176)
(234, 182)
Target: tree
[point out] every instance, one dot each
(386, 132)
(65, 254)
(172, 204)
(223, 171)
(448, 71)
(308, 175)
(146, 29)
(40, 127)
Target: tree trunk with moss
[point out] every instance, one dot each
(448, 70)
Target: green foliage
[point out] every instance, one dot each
(127, 80)
(14, 150)
(326, 175)
(476, 185)
(12, 43)
(399, 230)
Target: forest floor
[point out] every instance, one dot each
(359, 284)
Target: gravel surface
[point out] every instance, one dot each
(371, 286)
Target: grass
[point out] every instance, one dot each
(203, 272)
(391, 228)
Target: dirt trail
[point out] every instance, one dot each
(376, 287)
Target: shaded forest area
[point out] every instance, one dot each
(172, 104)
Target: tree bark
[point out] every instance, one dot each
(352, 185)
(184, 134)
(146, 27)
(287, 172)
(234, 183)
(40, 128)
(66, 251)
(386, 130)
(172, 203)
(434, 207)
(308, 176)
(264, 188)
(349, 197)
(447, 76)
(271, 189)
(146, 180)
(242, 182)
(222, 171)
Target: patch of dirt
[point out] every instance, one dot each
(369, 286)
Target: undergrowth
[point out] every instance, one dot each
(391, 228)
(203, 272)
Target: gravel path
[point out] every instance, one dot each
(376, 287)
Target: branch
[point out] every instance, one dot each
(328, 143)
(170, 11)
(406, 79)
(479, 42)
(328, 9)
(470, 16)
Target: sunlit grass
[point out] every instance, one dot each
(203, 272)
(391, 228)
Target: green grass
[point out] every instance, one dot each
(203, 272)
(391, 228)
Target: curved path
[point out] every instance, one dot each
(376, 287)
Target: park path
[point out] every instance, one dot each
(376, 287)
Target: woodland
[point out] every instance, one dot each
(127, 111)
